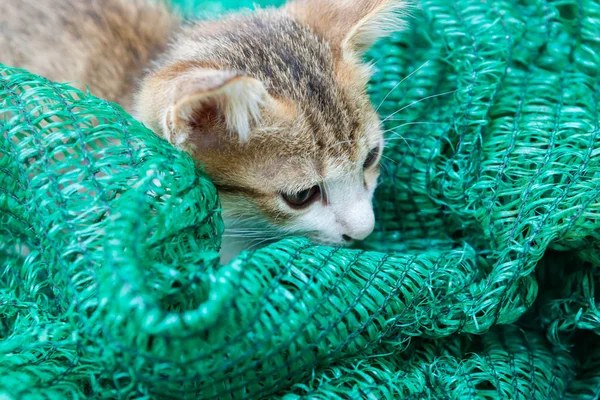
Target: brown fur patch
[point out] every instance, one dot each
(320, 114)
(102, 44)
(317, 123)
(334, 20)
(174, 70)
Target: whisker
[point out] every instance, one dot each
(326, 188)
(399, 83)
(255, 245)
(231, 232)
(405, 119)
(249, 230)
(389, 140)
(251, 237)
(408, 145)
(322, 189)
(418, 101)
(404, 139)
(383, 156)
(398, 135)
(253, 242)
(411, 123)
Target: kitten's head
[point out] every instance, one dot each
(274, 105)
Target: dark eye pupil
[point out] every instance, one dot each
(303, 198)
(303, 195)
(371, 158)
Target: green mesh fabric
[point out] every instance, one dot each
(210, 8)
(479, 282)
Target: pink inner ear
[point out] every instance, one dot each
(205, 121)
(202, 105)
(206, 114)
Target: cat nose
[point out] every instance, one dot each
(359, 222)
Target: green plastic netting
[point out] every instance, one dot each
(481, 280)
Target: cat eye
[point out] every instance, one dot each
(304, 198)
(372, 158)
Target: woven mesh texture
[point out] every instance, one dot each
(479, 282)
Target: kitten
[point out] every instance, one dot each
(273, 103)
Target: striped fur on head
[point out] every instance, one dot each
(274, 103)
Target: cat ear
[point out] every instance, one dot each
(204, 97)
(352, 26)
(193, 106)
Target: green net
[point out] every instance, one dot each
(211, 8)
(479, 282)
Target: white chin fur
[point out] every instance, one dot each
(349, 211)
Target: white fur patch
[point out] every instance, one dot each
(243, 99)
(349, 211)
